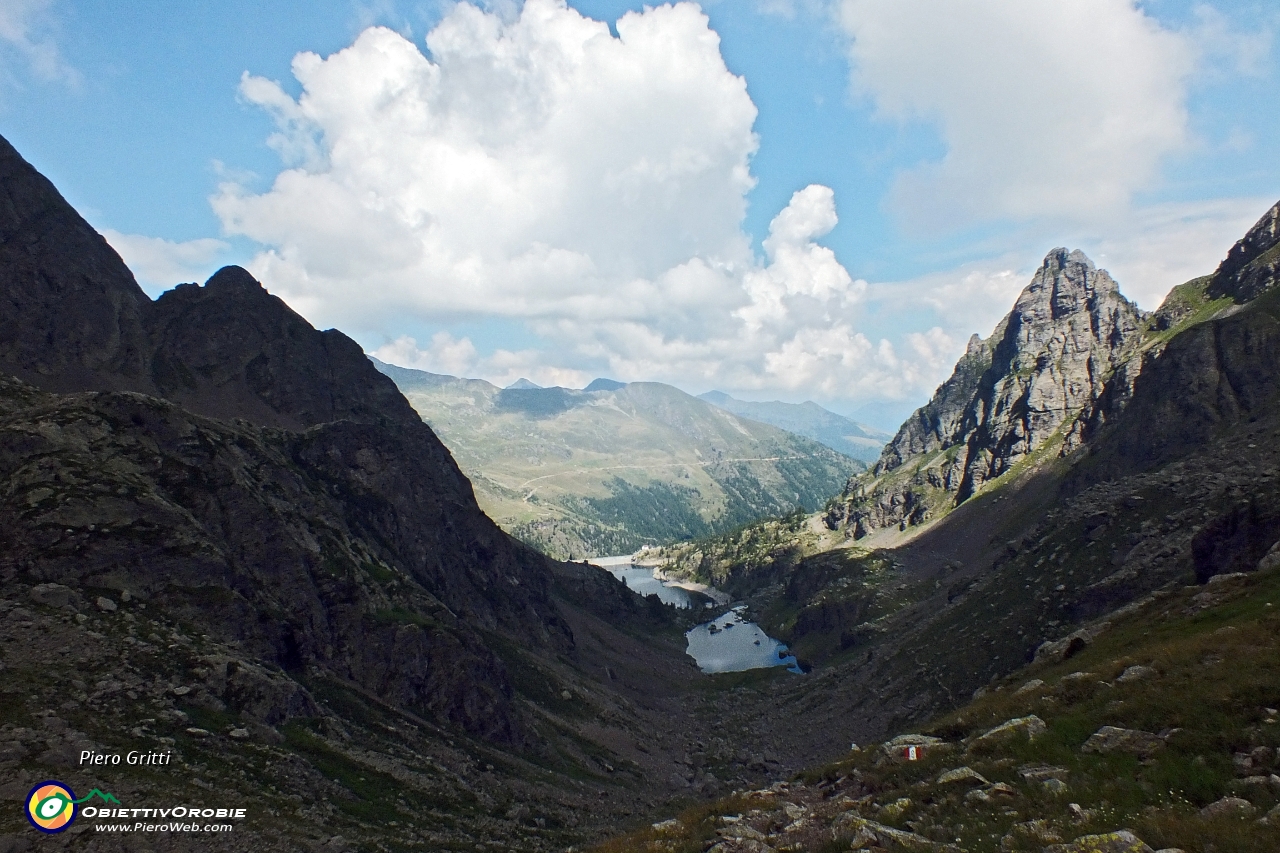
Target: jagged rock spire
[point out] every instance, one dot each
(1011, 393)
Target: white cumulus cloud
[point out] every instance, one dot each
(522, 165)
(160, 264)
(1165, 245)
(25, 29)
(1047, 110)
(533, 166)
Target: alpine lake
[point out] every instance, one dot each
(727, 643)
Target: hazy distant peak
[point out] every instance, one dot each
(602, 384)
(409, 377)
(809, 420)
(523, 384)
(716, 398)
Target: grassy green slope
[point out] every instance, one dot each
(1192, 680)
(588, 473)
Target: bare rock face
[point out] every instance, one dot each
(1208, 377)
(1113, 739)
(54, 266)
(1120, 841)
(341, 548)
(1011, 394)
(230, 349)
(1253, 264)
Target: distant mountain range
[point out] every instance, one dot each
(615, 466)
(851, 438)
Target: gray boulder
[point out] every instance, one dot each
(1114, 739)
(1029, 727)
(965, 775)
(55, 595)
(1120, 841)
(894, 750)
(1229, 807)
(1137, 672)
(1271, 559)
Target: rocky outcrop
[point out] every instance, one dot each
(230, 349)
(1010, 395)
(1208, 377)
(1027, 728)
(1249, 271)
(336, 548)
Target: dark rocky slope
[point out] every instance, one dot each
(230, 350)
(324, 548)
(56, 269)
(1253, 264)
(220, 515)
(76, 320)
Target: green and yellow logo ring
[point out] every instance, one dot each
(51, 806)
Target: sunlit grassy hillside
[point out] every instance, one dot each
(580, 473)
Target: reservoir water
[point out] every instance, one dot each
(731, 644)
(727, 643)
(641, 579)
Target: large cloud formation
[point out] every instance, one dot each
(542, 169)
(1047, 109)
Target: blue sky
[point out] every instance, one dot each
(512, 203)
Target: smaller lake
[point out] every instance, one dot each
(641, 580)
(730, 644)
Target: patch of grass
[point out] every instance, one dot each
(695, 827)
(374, 794)
(219, 722)
(379, 572)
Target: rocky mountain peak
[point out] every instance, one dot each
(1009, 395)
(1069, 310)
(76, 320)
(231, 349)
(233, 279)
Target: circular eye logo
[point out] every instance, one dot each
(51, 806)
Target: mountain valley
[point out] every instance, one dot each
(228, 535)
(1016, 527)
